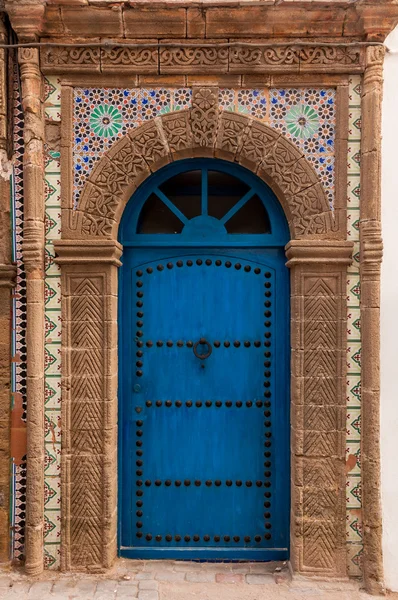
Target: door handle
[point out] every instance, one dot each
(203, 342)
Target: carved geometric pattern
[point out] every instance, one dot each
(203, 130)
(319, 545)
(85, 358)
(323, 425)
(320, 390)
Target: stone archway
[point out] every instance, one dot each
(202, 130)
(318, 256)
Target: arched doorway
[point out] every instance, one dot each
(204, 367)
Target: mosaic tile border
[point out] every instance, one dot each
(353, 441)
(306, 116)
(52, 315)
(18, 363)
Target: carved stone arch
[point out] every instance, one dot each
(203, 130)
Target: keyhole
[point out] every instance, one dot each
(202, 366)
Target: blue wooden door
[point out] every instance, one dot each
(204, 410)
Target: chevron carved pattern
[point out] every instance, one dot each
(319, 540)
(321, 500)
(87, 368)
(320, 390)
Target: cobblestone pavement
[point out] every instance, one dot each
(168, 580)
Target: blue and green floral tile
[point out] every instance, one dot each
(52, 98)
(353, 218)
(354, 323)
(353, 191)
(353, 458)
(181, 98)
(52, 294)
(354, 123)
(52, 393)
(355, 256)
(52, 556)
(354, 558)
(52, 493)
(354, 158)
(52, 225)
(226, 99)
(52, 359)
(353, 357)
(354, 90)
(52, 526)
(353, 289)
(52, 426)
(353, 492)
(52, 459)
(252, 102)
(353, 424)
(52, 188)
(354, 526)
(52, 324)
(354, 390)
(52, 160)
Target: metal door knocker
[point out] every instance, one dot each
(205, 354)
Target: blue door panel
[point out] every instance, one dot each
(204, 442)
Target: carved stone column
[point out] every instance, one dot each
(318, 306)
(371, 256)
(89, 402)
(33, 257)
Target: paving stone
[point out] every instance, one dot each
(148, 584)
(5, 582)
(127, 592)
(267, 567)
(128, 582)
(39, 589)
(144, 575)
(188, 566)
(106, 585)
(201, 577)
(64, 585)
(19, 587)
(86, 586)
(104, 595)
(169, 576)
(148, 595)
(229, 578)
(260, 579)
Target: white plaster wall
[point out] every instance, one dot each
(389, 320)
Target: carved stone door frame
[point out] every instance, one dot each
(318, 256)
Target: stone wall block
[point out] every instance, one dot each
(196, 23)
(103, 21)
(166, 23)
